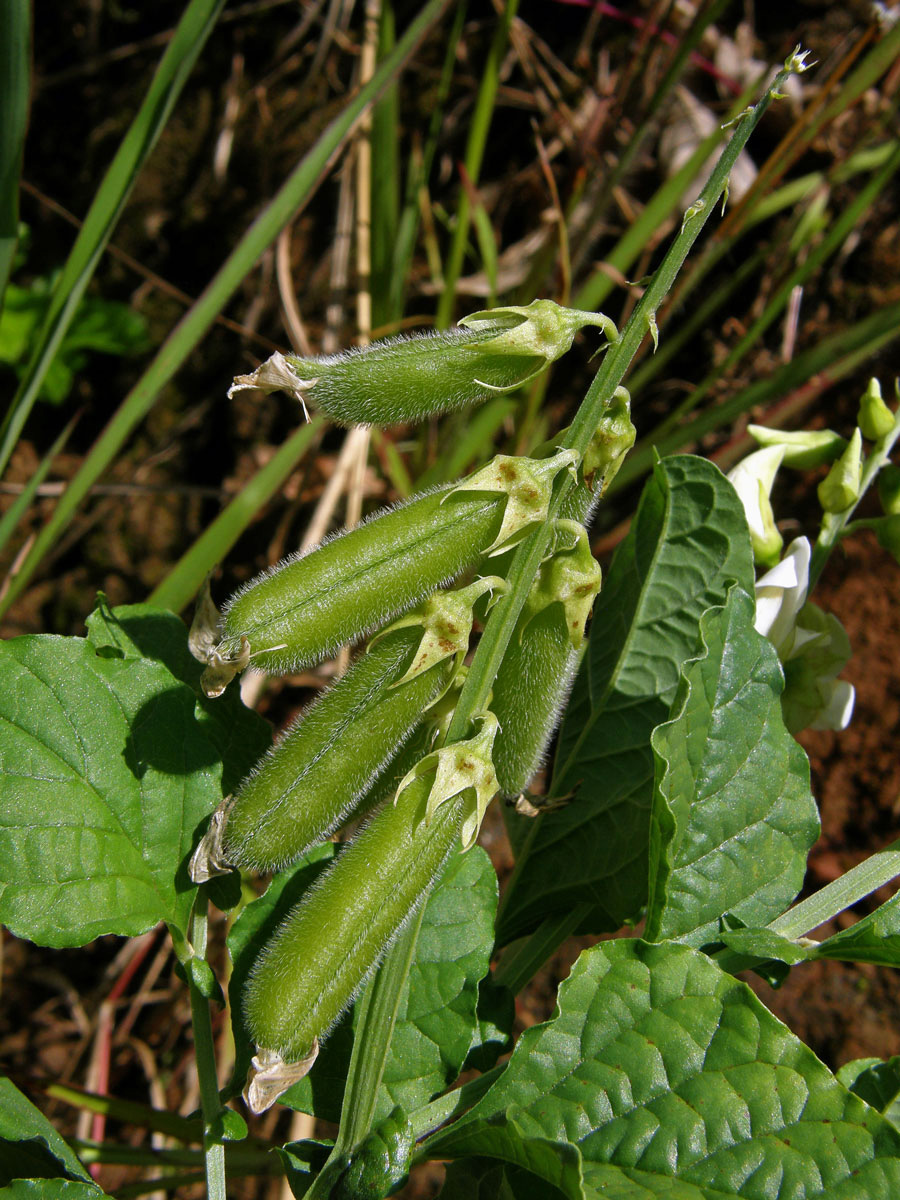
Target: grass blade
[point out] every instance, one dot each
(171, 76)
(283, 207)
(15, 52)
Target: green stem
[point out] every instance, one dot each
(498, 630)
(834, 524)
(205, 1052)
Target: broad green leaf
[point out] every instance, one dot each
(662, 1066)
(436, 1017)
(873, 939)
(131, 631)
(30, 1147)
(733, 819)
(688, 543)
(247, 937)
(488, 1179)
(877, 1082)
(380, 1163)
(555, 1163)
(109, 766)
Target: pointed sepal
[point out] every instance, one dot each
(571, 576)
(465, 767)
(528, 484)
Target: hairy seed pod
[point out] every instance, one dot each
(308, 783)
(537, 670)
(406, 379)
(309, 605)
(317, 775)
(329, 944)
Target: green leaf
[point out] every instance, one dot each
(486, 1179)
(109, 766)
(733, 819)
(688, 542)
(135, 631)
(380, 1164)
(877, 1082)
(556, 1162)
(436, 1019)
(661, 1068)
(873, 939)
(29, 1145)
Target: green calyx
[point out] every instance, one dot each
(464, 768)
(840, 487)
(571, 577)
(542, 329)
(613, 438)
(527, 484)
(874, 418)
(803, 448)
(446, 620)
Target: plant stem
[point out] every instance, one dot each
(832, 899)
(498, 630)
(205, 1050)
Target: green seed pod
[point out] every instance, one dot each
(331, 942)
(539, 665)
(308, 784)
(406, 379)
(309, 605)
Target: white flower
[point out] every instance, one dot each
(813, 646)
(752, 479)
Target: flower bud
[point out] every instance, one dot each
(407, 379)
(874, 418)
(752, 479)
(840, 487)
(803, 448)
